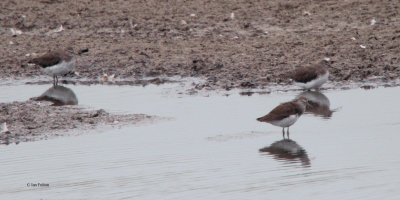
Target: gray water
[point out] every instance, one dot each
(211, 148)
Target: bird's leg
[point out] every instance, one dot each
(283, 133)
(287, 131)
(54, 80)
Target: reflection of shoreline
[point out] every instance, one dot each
(288, 151)
(59, 96)
(318, 104)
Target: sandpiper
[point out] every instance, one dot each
(56, 63)
(311, 77)
(286, 114)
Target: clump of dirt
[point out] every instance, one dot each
(31, 120)
(231, 44)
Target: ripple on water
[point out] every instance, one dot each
(215, 149)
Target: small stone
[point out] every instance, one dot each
(15, 32)
(367, 87)
(373, 21)
(183, 22)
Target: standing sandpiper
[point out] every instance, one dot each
(286, 114)
(56, 63)
(311, 77)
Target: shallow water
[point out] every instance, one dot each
(211, 149)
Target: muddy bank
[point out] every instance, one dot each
(232, 44)
(74, 80)
(32, 120)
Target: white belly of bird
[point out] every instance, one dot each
(286, 122)
(316, 83)
(60, 69)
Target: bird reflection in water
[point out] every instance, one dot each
(59, 96)
(318, 104)
(287, 151)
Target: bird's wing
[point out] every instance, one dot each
(304, 74)
(280, 112)
(48, 59)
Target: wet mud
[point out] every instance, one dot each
(231, 44)
(56, 113)
(31, 120)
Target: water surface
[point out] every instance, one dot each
(213, 148)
